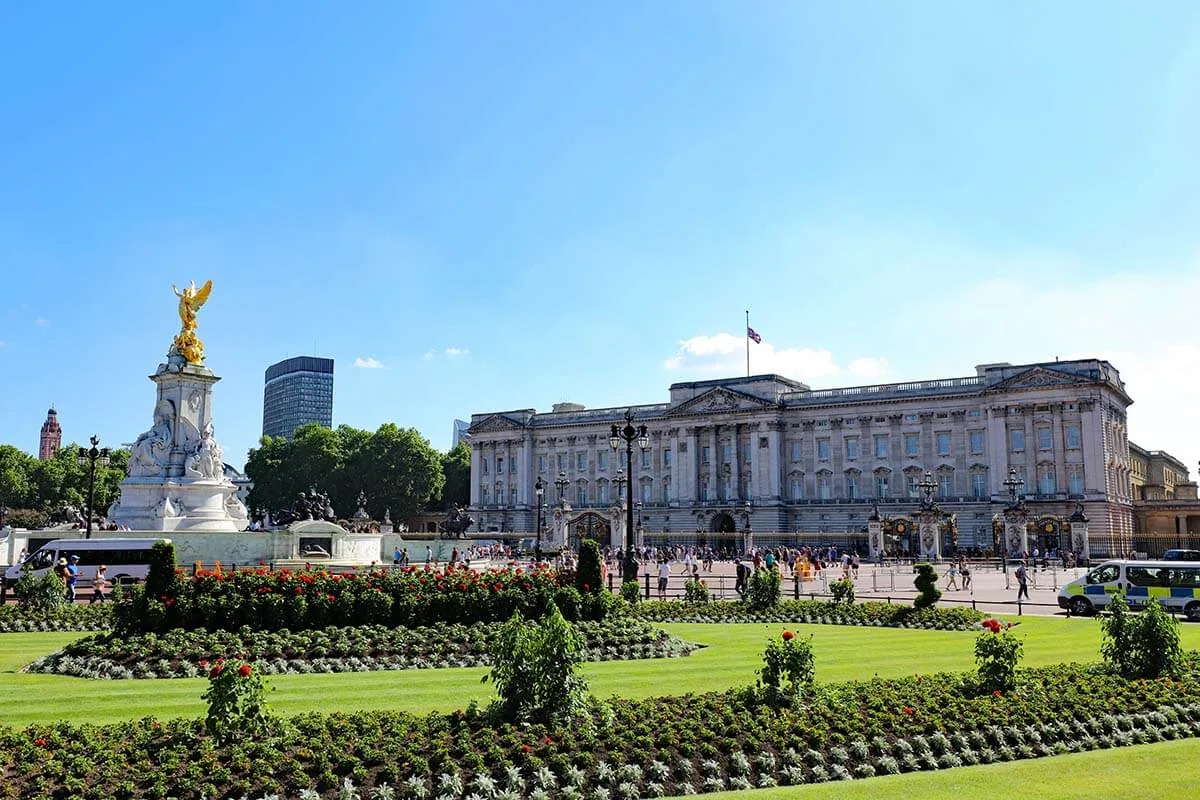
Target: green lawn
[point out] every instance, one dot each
(1164, 771)
(733, 655)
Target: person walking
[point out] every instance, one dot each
(664, 574)
(965, 570)
(72, 578)
(98, 585)
(952, 577)
(1022, 576)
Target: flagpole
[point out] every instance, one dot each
(747, 343)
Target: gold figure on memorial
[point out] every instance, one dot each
(186, 343)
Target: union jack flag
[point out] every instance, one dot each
(753, 335)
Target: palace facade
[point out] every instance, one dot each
(769, 453)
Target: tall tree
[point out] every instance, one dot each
(270, 467)
(17, 486)
(456, 474)
(402, 472)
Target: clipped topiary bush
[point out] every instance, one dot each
(631, 591)
(926, 583)
(162, 569)
(589, 576)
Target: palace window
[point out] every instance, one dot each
(1073, 441)
(795, 451)
(647, 492)
(911, 480)
(979, 487)
(485, 466)
(581, 495)
(667, 458)
(851, 447)
(943, 443)
(881, 446)
(946, 483)
(852, 485)
(882, 488)
(1016, 439)
(499, 465)
(541, 463)
(912, 444)
(1044, 439)
(823, 449)
(645, 459)
(726, 454)
(581, 461)
(512, 496)
(667, 490)
(562, 462)
(1047, 482)
(602, 493)
(976, 439)
(602, 460)
(705, 454)
(483, 495)
(797, 489)
(1075, 480)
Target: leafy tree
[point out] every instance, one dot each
(16, 477)
(456, 473)
(402, 472)
(269, 466)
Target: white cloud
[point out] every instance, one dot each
(41, 322)
(368, 363)
(448, 352)
(724, 355)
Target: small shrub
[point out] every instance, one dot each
(787, 670)
(696, 591)
(926, 583)
(236, 707)
(842, 591)
(764, 588)
(43, 592)
(534, 667)
(631, 591)
(162, 569)
(1144, 645)
(997, 653)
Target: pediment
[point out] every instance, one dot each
(493, 424)
(1038, 377)
(720, 401)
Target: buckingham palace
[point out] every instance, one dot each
(794, 464)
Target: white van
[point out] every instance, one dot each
(128, 560)
(1174, 584)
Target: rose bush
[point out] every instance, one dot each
(872, 613)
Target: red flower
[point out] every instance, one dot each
(992, 625)
(547, 740)
(40, 741)
(908, 711)
(170, 602)
(997, 693)
(526, 748)
(332, 598)
(587, 588)
(788, 636)
(216, 670)
(244, 670)
(204, 663)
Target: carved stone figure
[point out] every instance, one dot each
(151, 452)
(166, 508)
(235, 508)
(207, 461)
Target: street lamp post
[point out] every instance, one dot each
(629, 434)
(539, 491)
(87, 457)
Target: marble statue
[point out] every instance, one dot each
(186, 343)
(150, 453)
(207, 461)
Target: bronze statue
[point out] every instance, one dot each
(456, 524)
(186, 343)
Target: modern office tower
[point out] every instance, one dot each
(297, 391)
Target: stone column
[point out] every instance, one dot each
(930, 543)
(476, 473)
(735, 473)
(875, 538)
(774, 488)
(690, 463)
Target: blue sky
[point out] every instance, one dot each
(513, 204)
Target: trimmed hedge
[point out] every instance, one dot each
(813, 611)
(264, 600)
(75, 617)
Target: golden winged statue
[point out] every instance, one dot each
(190, 300)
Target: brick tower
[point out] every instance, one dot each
(51, 436)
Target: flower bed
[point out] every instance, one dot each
(18, 619)
(625, 749)
(813, 611)
(311, 599)
(177, 653)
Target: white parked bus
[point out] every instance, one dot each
(128, 560)
(1174, 584)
